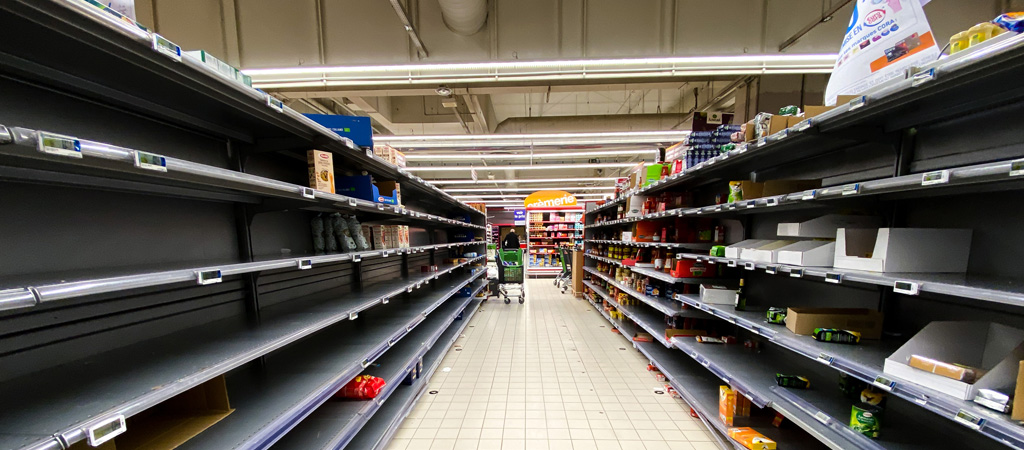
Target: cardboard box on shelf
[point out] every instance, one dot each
(826, 227)
(952, 371)
(734, 250)
(726, 404)
(1018, 394)
(944, 250)
(366, 188)
(672, 332)
(864, 321)
(766, 253)
(717, 295)
(751, 439)
(389, 154)
(808, 254)
(171, 423)
(993, 348)
(635, 205)
(749, 189)
(321, 170)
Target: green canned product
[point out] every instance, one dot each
(866, 419)
(792, 381)
(777, 315)
(836, 335)
(718, 250)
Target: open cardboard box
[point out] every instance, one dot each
(767, 253)
(807, 253)
(734, 250)
(903, 249)
(825, 227)
(173, 422)
(867, 322)
(989, 346)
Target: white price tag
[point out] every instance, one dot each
(851, 189)
(803, 125)
(732, 263)
(771, 270)
(906, 287)
(810, 194)
(858, 102)
(149, 161)
(825, 359)
(834, 278)
(936, 177)
(748, 265)
(884, 383)
(275, 104)
(922, 77)
(352, 202)
(106, 430)
(822, 417)
(969, 420)
(796, 273)
(762, 141)
(772, 201)
(1017, 168)
(357, 257)
(205, 277)
(166, 47)
(60, 145)
(304, 264)
(308, 193)
(353, 316)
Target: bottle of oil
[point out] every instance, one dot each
(741, 298)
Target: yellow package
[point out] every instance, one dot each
(751, 439)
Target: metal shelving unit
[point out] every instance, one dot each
(934, 150)
(668, 307)
(333, 425)
(160, 234)
(653, 273)
(533, 242)
(642, 318)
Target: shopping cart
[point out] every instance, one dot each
(563, 279)
(510, 275)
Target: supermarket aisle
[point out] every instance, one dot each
(548, 374)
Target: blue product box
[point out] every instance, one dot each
(363, 187)
(466, 291)
(356, 128)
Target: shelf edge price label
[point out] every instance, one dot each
(834, 278)
(858, 102)
(761, 141)
(357, 257)
(822, 417)
(825, 359)
(732, 263)
(275, 104)
(803, 125)
(922, 77)
(106, 430)
(308, 193)
(936, 177)
(304, 264)
(205, 277)
(353, 315)
(771, 270)
(751, 203)
(749, 266)
(906, 287)
(1017, 168)
(167, 48)
(60, 145)
(796, 273)
(969, 420)
(851, 189)
(772, 201)
(810, 194)
(149, 161)
(884, 383)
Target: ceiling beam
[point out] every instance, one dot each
(370, 110)
(825, 17)
(403, 17)
(494, 88)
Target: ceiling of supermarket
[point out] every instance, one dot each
(353, 57)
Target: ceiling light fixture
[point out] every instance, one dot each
(524, 167)
(467, 156)
(526, 189)
(527, 180)
(520, 196)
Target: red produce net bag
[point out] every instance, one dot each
(363, 387)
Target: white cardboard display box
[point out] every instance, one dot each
(764, 253)
(717, 295)
(825, 227)
(990, 346)
(807, 253)
(903, 249)
(635, 205)
(733, 251)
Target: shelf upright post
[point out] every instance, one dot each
(243, 225)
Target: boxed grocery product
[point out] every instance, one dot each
(744, 190)
(991, 351)
(356, 128)
(389, 154)
(751, 439)
(689, 268)
(766, 253)
(807, 253)
(903, 249)
(673, 332)
(321, 170)
(717, 295)
(366, 188)
(865, 321)
(726, 404)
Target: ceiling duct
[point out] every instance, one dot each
(464, 17)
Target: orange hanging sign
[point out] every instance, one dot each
(549, 199)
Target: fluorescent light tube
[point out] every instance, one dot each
(526, 180)
(533, 189)
(470, 156)
(526, 167)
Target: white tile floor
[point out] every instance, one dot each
(548, 374)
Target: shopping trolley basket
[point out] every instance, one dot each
(510, 275)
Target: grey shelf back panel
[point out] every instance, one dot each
(292, 383)
(379, 430)
(122, 380)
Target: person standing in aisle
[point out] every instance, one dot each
(511, 241)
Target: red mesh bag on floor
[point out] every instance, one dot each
(363, 387)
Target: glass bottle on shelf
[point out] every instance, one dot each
(741, 298)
